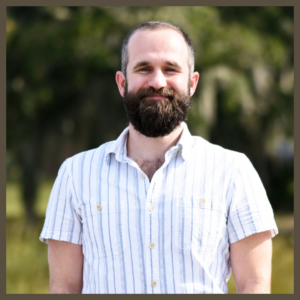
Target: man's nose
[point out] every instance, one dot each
(157, 80)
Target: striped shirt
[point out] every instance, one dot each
(170, 235)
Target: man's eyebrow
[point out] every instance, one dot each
(146, 63)
(141, 64)
(173, 64)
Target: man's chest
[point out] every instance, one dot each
(180, 208)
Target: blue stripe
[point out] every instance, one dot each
(91, 160)
(253, 196)
(108, 205)
(49, 207)
(160, 242)
(192, 225)
(150, 220)
(101, 223)
(79, 236)
(73, 181)
(236, 236)
(141, 248)
(237, 211)
(254, 227)
(70, 235)
(51, 200)
(204, 193)
(120, 230)
(183, 221)
(128, 218)
(87, 219)
(211, 203)
(150, 225)
(53, 226)
(163, 230)
(172, 203)
(66, 197)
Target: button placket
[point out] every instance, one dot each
(152, 234)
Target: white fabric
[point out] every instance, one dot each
(204, 197)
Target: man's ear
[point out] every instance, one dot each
(120, 79)
(194, 81)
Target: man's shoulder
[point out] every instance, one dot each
(210, 148)
(90, 155)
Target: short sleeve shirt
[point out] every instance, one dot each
(170, 235)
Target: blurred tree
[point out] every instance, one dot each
(60, 91)
(62, 97)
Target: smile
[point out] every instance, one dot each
(155, 97)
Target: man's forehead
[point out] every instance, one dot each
(158, 39)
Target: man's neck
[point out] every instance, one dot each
(142, 148)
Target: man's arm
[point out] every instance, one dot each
(251, 263)
(66, 267)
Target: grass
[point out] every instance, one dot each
(26, 257)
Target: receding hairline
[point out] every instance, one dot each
(155, 29)
(158, 28)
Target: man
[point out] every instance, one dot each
(158, 210)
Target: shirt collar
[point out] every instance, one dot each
(118, 147)
(185, 142)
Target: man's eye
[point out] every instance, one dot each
(144, 70)
(170, 70)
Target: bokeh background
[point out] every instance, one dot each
(62, 99)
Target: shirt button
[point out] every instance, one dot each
(203, 201)
(152, 245)
(99, 206)
(143, 176)
(153, 283)
(151, 207)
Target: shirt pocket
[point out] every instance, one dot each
(197, 225)
(103, 227)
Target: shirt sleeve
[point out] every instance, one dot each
(62, 222)
(250, 211)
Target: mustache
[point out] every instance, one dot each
(164, 92)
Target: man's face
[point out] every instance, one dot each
(158, 87)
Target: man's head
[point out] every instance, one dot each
(157, 79)
(156, 25)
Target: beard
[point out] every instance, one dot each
(156, 118)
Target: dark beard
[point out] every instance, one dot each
(155, 118)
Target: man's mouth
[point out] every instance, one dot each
(155, 97)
